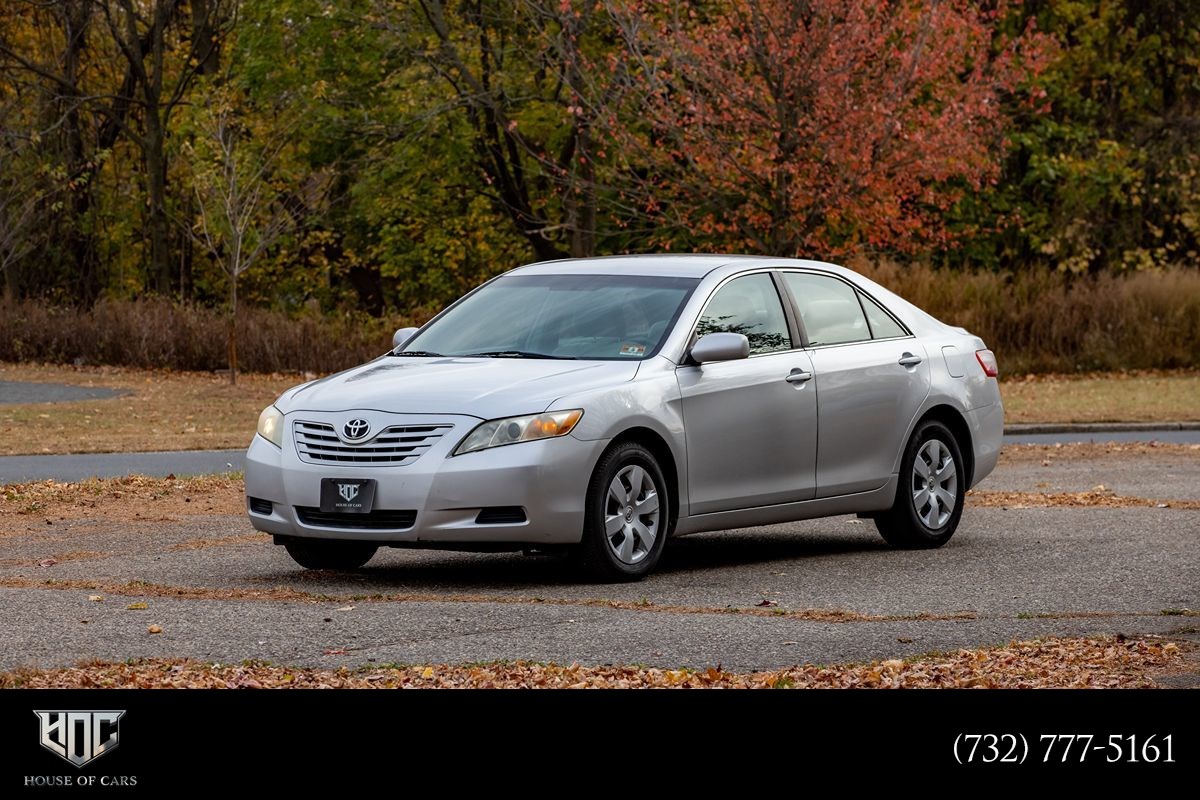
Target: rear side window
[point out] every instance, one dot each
(829, 308)
(748, 305)
(882, 324)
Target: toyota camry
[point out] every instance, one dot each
(603, 406)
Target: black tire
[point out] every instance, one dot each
(329, 554)
(914, 524)
(596, 555)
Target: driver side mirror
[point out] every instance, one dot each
(401, 337)
(720, 347)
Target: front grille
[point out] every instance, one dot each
(500, 515)
(397, 445)
(374, 520)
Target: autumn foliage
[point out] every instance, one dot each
(1050, 663)
(796, 128)
(389, 156)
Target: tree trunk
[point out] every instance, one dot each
(79, 244)
(233, 362)
(582, 196)
(205, 35)
(161, 272)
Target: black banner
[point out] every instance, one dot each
(126, 741)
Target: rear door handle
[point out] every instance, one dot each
(798, 376)
(909, 360)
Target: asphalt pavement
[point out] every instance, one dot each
(16, 392)
(822, 591)
(746, 599)
(1171, 436)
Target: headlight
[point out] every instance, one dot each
(270, 425)
(510, 430)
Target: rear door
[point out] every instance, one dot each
(871, 377)
(751, 424)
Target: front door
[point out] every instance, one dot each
(751, 423)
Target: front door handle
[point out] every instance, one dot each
(798, 376)
(909, 360)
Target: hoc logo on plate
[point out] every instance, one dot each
(356, 428)
(79, 736)
(348, 491)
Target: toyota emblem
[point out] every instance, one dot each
(356, 428)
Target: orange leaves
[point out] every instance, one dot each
(1102, 662)
(825, 125)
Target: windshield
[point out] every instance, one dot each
(617, 317)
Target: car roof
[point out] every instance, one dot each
(684, 265)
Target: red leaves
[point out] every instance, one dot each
(792, 127)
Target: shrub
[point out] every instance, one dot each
(1036, 321)
(156, 333)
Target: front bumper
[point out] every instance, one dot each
(547, 478)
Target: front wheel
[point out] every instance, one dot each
(627, 516)
(929, 499)
(326, 554)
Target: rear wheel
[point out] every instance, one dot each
(929, 499)
(327, 554)
(627, 516)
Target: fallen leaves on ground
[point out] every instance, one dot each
(1047, 663)
(130, 498)
(1048, 454)
(1097, 497)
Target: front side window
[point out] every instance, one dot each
(829, 309)
(748, 305)
(595, 317)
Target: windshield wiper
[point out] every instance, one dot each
(417, 354)
(514, 354)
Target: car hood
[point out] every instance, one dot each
(482, 387)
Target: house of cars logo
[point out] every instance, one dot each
(356, 428)
(348, 491)
(79, 736)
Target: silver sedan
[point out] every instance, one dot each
(602, 406)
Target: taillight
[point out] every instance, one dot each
(987, 360)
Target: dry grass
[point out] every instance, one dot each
(1036, 321)
(1042, 321)
(1148, 396)
(155, 333)
(163, 411)
(166, 410)
(1047, 663)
